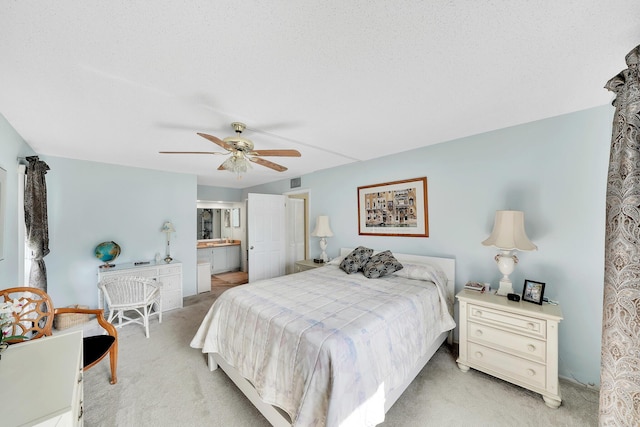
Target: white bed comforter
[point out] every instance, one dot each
(326, 346)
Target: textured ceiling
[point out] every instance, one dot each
(340, 81)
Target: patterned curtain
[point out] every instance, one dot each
(36, 220)
(620, 370)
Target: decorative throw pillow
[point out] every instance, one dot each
(354, 262)
(380, 265)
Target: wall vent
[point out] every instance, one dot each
(296, 182)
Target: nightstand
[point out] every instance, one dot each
(307, 264)
(513, 341)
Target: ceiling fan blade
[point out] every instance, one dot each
(216, 140)
(190, 152)
(280, 153)
(267, 163)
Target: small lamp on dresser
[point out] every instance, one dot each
(323, 231)
(168, 228)
(508, 235)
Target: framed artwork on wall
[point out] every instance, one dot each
(397, 208)
(3, 203)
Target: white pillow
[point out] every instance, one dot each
(426, 272)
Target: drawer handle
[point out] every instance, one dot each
(531, 347)
(478, 355)
(478, 333)
(531, 372)
(478, 313)
(530, 325)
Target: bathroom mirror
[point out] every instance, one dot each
(209, 223)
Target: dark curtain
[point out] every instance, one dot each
(620, 366)
(36, 221)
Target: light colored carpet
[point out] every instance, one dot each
(164, 382)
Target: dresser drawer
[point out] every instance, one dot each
(519, 345)
(138, 273)
(516, 369)
(174, 269)
(522, 324)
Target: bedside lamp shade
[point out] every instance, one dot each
(167, 227)
(508, 235)
(323, 230)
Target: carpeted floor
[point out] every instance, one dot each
(164, 382)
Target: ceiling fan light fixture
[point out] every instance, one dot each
(237, 164)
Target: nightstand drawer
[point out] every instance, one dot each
(518, 345)
(515, 368)
(514, 322)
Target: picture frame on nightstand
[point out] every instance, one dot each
(533, 291)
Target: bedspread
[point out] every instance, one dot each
(322, 345)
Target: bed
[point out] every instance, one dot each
(323, 347)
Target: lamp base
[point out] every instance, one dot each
(168, 259)
(505, 288)
(323, 247)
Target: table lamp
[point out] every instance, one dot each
(508, 235)
(323, 231)
(167, 227)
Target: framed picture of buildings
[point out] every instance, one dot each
(397, 208)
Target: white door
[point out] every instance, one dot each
(266, 236)
(295, 233)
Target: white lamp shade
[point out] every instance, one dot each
(508, 232)
(322, 227)
(167, 227)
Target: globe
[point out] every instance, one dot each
(107, 251)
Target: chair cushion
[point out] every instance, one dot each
(95, 347)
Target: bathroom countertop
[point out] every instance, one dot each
(216, 244)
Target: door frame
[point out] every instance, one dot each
(306, 196)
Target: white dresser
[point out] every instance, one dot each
(514, 341)
(168, 275)
(42, 382)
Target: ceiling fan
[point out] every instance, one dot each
(242, 152)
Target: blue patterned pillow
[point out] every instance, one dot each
(354, 262)
(380, 265)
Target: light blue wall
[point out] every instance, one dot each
(554, 170)
(93, 202)
(12, 146)
(219, 194)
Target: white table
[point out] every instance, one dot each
(42, 382)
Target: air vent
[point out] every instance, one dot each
(296, 182)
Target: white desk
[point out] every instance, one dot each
(42, 382)
(168, 275)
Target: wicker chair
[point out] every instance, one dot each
(35, 321)
(132, 299)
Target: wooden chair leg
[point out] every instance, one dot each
(113, 361)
